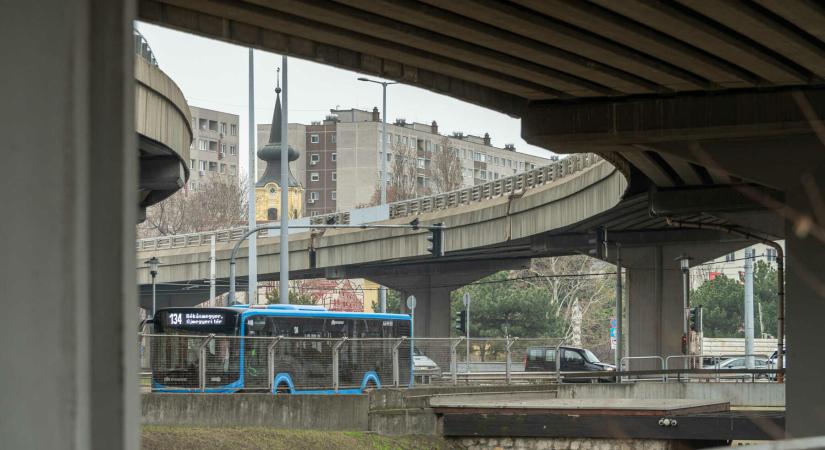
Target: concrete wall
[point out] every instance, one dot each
(738, 394)
(504, 443)
(319, 412)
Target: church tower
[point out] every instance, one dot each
(268, 187)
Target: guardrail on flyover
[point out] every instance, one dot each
(514, 184)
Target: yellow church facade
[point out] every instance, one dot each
(268, 202)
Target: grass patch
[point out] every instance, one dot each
(191, 438)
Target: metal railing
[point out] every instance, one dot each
(143, 49)
(504, 186)
(210, 363)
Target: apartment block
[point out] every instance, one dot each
(214, 150)
(341, 157)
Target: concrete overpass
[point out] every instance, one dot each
(552, 210)
(675, 94)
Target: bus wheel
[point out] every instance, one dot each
(281, 389)
(370, 386)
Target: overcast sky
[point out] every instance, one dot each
(213, 74)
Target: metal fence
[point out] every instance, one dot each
(509, 185)
(211, 363)
(199, 363)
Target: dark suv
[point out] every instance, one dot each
(543, 359)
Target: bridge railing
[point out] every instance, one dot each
(514, 184)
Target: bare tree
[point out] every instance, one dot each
(220, 202)
(575, 283)
(445, 168)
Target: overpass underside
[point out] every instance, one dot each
(679, 95)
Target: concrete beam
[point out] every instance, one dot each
(805, 306)
(70, 373)
(577, 127)
(697, 200)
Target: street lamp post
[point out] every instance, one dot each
(153, 264)
(684, 265)
(382, 291)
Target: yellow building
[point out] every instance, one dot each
(268, 187)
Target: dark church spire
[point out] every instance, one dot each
(271, 152)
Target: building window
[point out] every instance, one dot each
(313, 196)
(213, 166)
(334, 176)
(194, 122)
(314, 138)
(202, 166)
(233, 150)
(233, 170)
(203, 124)
(477, 156)
(203, 144)
(272, 214)
(223, 127)
(332, 138)
(192, 163)
(314, 176)
(223, 168)
(213, 125)
(521, 165)
(314, 158)
(730, 257)
(334, 156)
(223, 149)
(333, 195)
(233, 129)
(771, 254)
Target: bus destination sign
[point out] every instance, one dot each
(195, 319)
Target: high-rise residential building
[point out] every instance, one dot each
(214, 148)
(342, 157)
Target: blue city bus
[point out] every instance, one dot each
(301, 366)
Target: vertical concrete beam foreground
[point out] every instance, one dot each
(804, 316)
(69, 362)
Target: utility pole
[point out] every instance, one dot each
(467, 300)
(619, 312)
(684, 264)
(382, 290)
(749, 307)
(283, 288)
(251, 220)
(212, 271)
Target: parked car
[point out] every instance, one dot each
(573, 359)
(424, 368)
(740, 362)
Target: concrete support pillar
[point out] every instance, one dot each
(654, 304)
(69, 354)
(432, 311)
(804, 315)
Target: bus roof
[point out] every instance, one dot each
(311, 311)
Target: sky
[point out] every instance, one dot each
(214, 74)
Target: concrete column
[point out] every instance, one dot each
(654, 304)
(804, 315)
(432, 311)
(69, 353)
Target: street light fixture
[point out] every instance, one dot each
(382, 292)
(153, 264)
